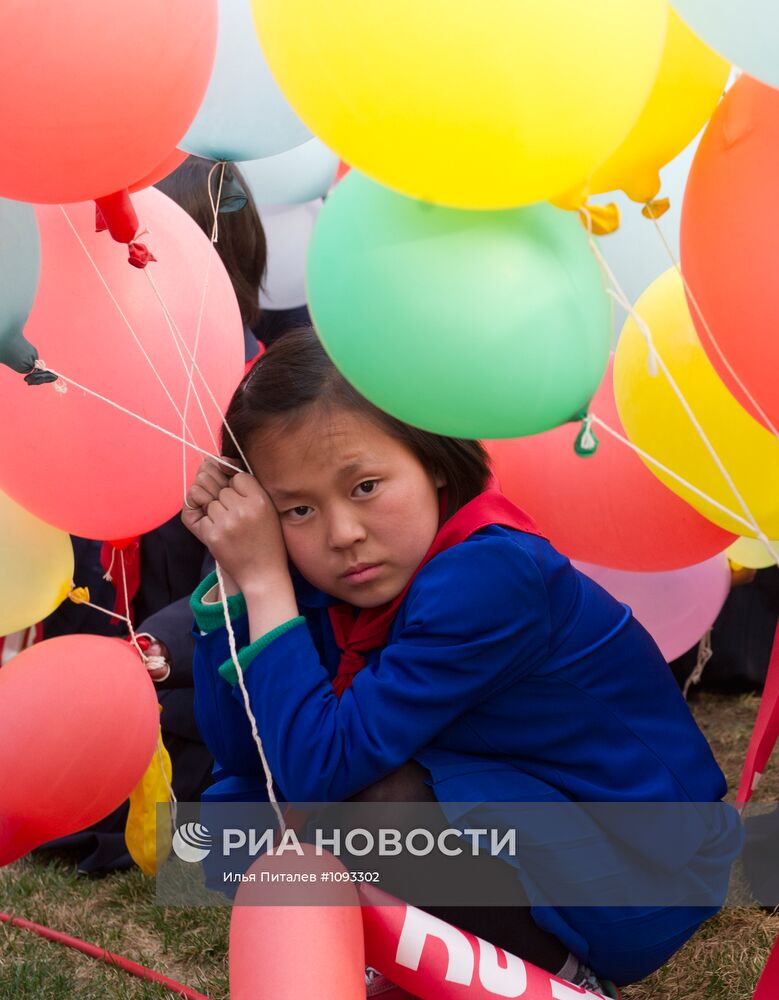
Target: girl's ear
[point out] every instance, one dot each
(440, 480)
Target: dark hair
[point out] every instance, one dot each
(295, 374)
(241, 240)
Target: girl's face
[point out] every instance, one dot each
(357, 508)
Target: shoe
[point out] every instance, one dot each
(379, 986)
(586, 979)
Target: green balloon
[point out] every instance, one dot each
(470, 324)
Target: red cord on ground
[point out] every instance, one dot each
(104, 956)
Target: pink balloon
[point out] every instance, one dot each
(430, 958)
(676, 608)
(607, 508)
(73, 460)
(284, 952)
(78, 727)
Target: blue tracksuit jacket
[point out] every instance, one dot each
(511, 677)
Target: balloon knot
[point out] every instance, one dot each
(600, 220)
(656, 208)
(586, 443)
(79, 595)
(140, 255)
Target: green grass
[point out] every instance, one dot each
(722, 962)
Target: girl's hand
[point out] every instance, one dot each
(235, 519)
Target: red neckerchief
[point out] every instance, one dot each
(369, 630)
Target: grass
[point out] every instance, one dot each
(722, 962)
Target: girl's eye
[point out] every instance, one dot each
(367, 487)
(298, 511)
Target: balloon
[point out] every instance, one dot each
(634, 252)
(729, 221)
(676, 608)
(523, 349)
(606, 508)
(431, 958)
(244, 115)
(689, 84)
(72, 459)
(166, 166)
(301, 174)
(97, 94)
(36, 567)
(745, 32)
(751, 553)
(78, 725)
(655, 420)
(288, 232)
(402, 91)
(269, 944)
(19, 269)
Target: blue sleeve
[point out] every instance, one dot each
(476, 619)
(221, 720)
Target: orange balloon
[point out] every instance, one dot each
(72, 459)
(607, 508)
(96, 94)
(730, 219)
(270, 945)
(78, 727)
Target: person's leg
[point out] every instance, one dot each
(509, 926)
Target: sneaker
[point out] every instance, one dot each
(586, 979)
(379, 986)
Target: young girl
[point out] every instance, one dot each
(407, 634)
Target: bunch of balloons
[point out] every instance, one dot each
(438, 285)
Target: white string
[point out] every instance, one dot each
(214, 235)
(647, 333)
(149, 423)
(705, 653)
(669, 472)
(127, 322)
(709, 333)
(246, 704)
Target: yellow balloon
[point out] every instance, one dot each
(654, 419)
(751, 553)
(36, 567)
(481, 104)
(689, 84)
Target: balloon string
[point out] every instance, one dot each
(647, 333)
(143, 420)
(214, 236)
(669, 472)
(246, 703)
(709, 333)
(126, 321)
(705, 653)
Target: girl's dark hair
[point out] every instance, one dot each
(241, 243)
(295, 374)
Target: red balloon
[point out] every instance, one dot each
(730, 219)
(164, 167)
(430, 958)
(284, 952)
(608, 508)
(78, 727)
(97, 94)
(74, 460)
